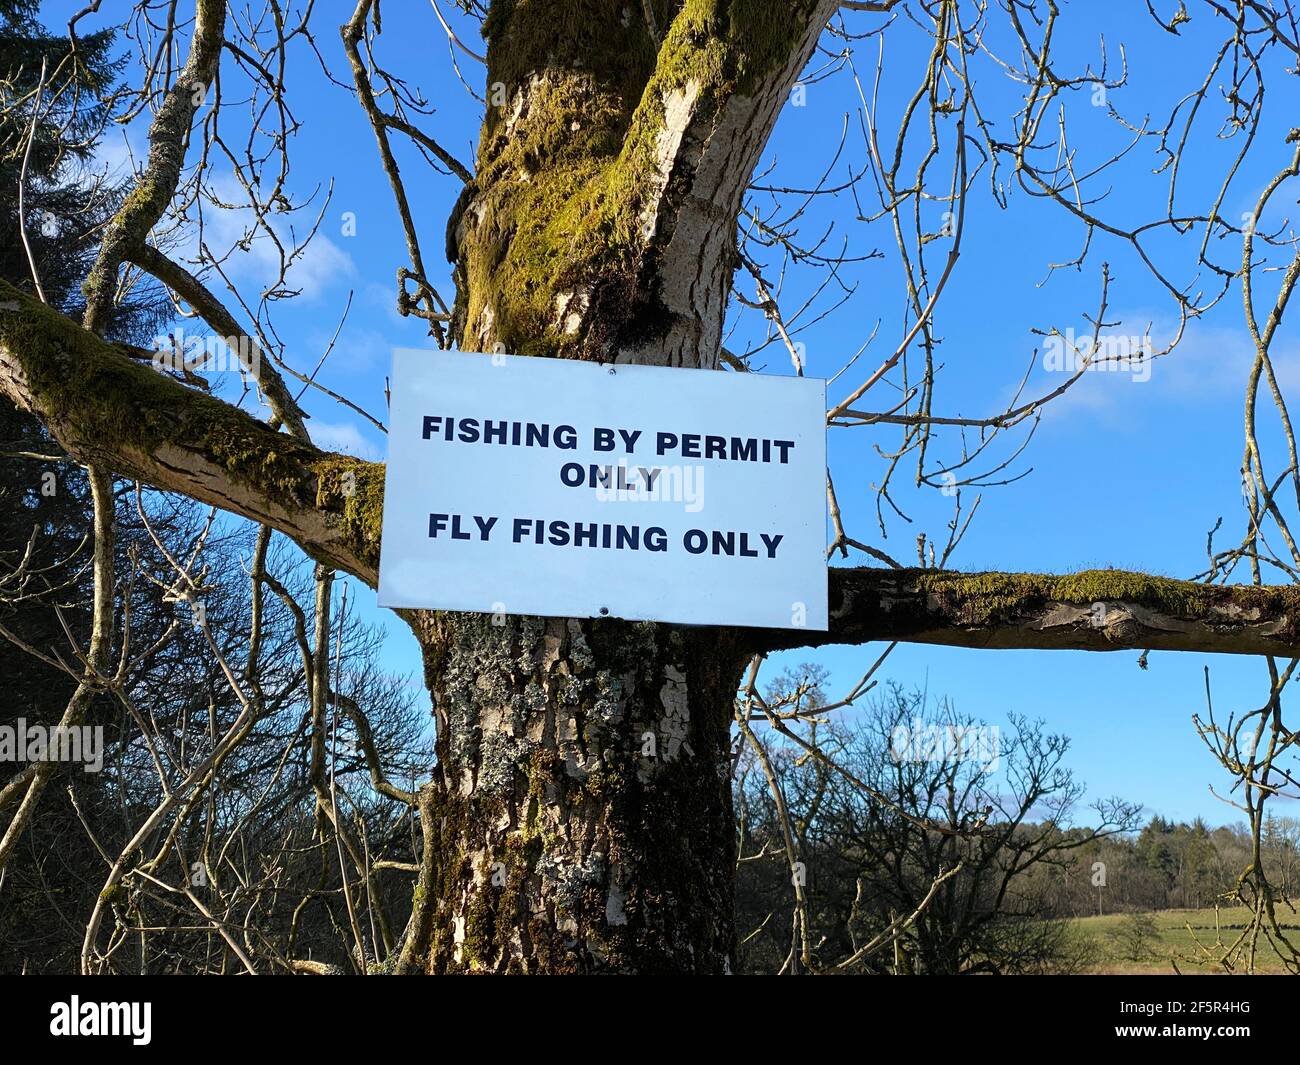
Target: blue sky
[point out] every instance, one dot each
(1123, 473)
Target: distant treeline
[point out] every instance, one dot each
(1171, 865)
(861, 854)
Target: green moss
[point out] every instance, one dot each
(570, 75)
(567, 166)
(480, 927)
(607, 784)
(94, 394)
(115, 895)
(977, 598)
(353, 489)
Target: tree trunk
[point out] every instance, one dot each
(580, 818)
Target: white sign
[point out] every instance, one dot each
(570, 489)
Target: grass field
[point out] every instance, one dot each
(1180, 931)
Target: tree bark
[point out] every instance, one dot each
(581, 816)
(583, 806)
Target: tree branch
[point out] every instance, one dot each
(157, 185)
(1096, 610)
(213, 311)
(107, 409)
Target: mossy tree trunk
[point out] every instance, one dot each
(583, 809)
(617, 144)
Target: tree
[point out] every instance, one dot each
(617, 147)
(246, 849)
(1136, 935)
(912, 797)
(44, 497)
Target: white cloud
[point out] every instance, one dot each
(118, 154)
(1211, 361)
(320, 267)
(323, 265)
(344, 437)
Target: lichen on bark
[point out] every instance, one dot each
(562, 845)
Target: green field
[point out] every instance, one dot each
(1180, 932)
